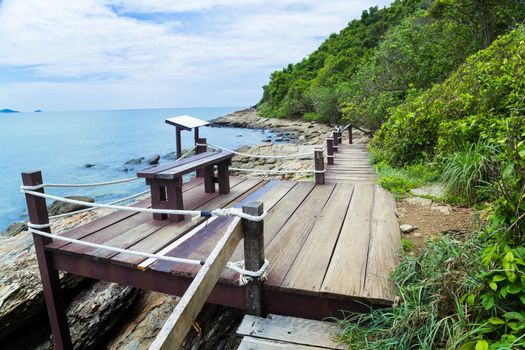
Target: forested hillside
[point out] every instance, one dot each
(442, 85)
(373, 63)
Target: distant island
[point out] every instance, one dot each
(8, 111)
(38, 111)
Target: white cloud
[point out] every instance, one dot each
(100, 54)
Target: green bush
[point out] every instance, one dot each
(401, 180)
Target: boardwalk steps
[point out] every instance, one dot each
(281, 333)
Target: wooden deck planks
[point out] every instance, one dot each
(168, 234)
(309, 268)
(110, 219)
(283, 249)
(351, 165)
(347, 270)
(291, 330)
(384, 247)
(127, 238)
(194, 197)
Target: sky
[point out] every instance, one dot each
(123, 54)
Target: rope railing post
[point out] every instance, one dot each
(319, 167)
(336, 141)
(254, 257)
(330, 150)
(340, 135)
(38, 215)
(200, 147)
(350, 136)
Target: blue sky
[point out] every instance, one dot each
(110, 54)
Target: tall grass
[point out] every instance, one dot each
(431, 312)
(469, 173)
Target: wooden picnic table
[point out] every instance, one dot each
(165, 180)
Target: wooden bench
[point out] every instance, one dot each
(165, 180)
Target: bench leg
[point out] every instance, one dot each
(174, 200)
(158, 200)
(209, 186)
(224, 177)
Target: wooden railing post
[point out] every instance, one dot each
(335, 136)
(319, 167)
(350, 136)
(37, 210)
(254, 256)
(200, 149)
(330, 151)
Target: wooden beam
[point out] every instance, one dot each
(174, 331)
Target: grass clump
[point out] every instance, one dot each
(431, 312)
(401, 180)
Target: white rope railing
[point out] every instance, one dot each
(90, 209)
(72, 185)
(295, 155)
(34, 228)
(195, 213)
(290, 171)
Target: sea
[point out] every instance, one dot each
(94, 146)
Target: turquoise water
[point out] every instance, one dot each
(61, 143)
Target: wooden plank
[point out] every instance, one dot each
(347, 269)
(174, 331)
(280, 206)
(141, 221)
(385, 243)
(163, 237)
(216, 158)
(283, 249)
(108, 220)
(149, 173)
(201, 244)
(130, 237)
(293, 330)
(251, 343)
(309, 268)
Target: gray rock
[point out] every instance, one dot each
(135, 161)
(441, 209)
(434, 190)
(419, 201)
(405, 228)
(154, 160)
(57, 208)
(14, 229)
(89, 165)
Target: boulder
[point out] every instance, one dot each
(14, 229)
(21, 294)
(154, 160)
(57, 208)
(96, 311)
(405, 228)
(134, 161)
(89, 165)
(214, 329)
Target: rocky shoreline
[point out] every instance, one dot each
(106, 315)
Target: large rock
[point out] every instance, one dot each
(14, 229)
(96, 311)
(57, 208)
(21, 294)
(154, 160)
(135, 161)
(214, 329)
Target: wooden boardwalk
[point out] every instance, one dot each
(331, 244)
(351, 165)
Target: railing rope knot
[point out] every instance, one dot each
(247, 276)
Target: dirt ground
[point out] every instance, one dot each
(433, 219)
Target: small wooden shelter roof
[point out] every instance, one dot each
(186, 122)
